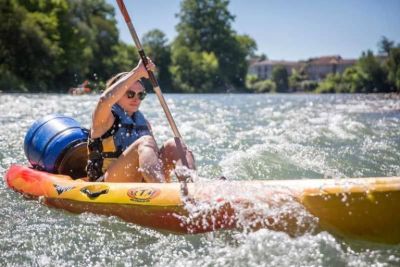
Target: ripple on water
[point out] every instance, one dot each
(242, 136)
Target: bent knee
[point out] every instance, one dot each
(173, 149)
(173, 144)
(169, 144)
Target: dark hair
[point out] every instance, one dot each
(118, 76)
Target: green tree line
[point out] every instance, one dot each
(51, 45)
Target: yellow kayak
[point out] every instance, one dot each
(358, 208)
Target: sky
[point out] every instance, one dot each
(286, 29)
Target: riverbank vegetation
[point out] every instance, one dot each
(49, 46)
(52, 45)
(370, 74)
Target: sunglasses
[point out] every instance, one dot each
(131, 94)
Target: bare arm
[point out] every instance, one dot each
(103, 119)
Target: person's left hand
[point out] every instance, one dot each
(142, 69)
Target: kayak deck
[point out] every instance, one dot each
(362, 208)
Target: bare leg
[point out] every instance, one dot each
(175, 154)
(150, 165)
(139, 162)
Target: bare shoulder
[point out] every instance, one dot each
(102, 120)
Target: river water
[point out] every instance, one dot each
(242, 137)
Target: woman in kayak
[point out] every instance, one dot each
(121, 145)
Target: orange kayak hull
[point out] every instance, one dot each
(359, 208)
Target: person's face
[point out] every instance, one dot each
(130, 102)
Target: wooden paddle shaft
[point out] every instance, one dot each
(152, 78)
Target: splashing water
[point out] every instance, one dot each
(246, 206)
(243, 137)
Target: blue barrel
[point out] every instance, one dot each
(49, 139)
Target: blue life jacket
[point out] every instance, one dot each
(124, 132)
(127, 129)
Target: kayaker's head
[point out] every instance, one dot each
(133, 97)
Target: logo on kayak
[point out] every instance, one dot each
(61, 189)
(142, 194)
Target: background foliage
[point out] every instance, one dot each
(52, 45)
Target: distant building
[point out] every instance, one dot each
(318, 68)
(315, 68)
(263, 69)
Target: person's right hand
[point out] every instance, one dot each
(141, 69)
